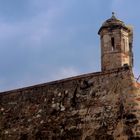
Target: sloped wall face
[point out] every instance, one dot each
(91, 107)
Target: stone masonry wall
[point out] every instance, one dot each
(97, 106)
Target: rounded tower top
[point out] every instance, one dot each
(113, 23)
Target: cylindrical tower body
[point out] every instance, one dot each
(116, 44)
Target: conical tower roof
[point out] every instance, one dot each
(113, 22)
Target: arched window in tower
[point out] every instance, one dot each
(112, 44)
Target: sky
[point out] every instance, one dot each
(46, 40)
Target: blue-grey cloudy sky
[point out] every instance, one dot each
(44, 40)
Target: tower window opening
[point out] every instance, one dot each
(112, 44)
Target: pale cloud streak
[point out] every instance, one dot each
(64, 73)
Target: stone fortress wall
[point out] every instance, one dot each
(94, 106)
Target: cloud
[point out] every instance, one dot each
(64, 73)
(48, 40)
